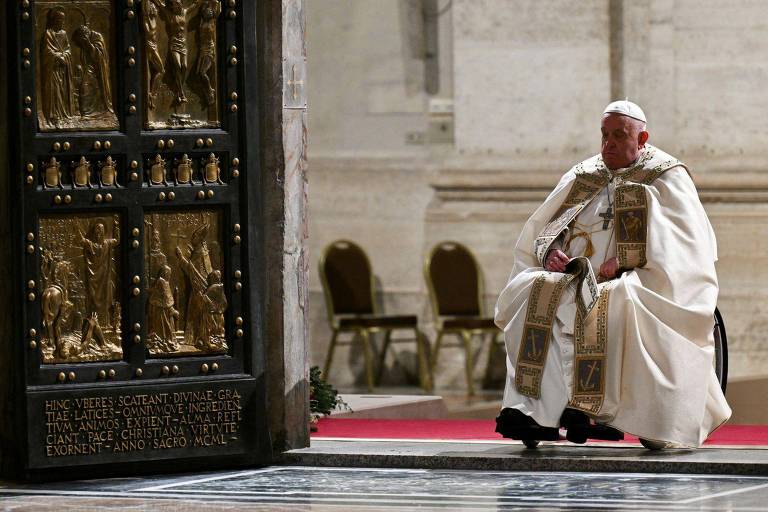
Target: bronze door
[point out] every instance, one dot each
(134, 179)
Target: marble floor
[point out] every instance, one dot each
(341, 489)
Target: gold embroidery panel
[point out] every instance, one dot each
(584, 189)
(581, 191)
(541, 246)
(646, 176)
(590, 356)
(630, 197)
(631, 226)
(528, 380)
(589, 376)
(543, 301)
(535, 345)
(586, 297)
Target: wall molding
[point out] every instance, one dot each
(533, 186)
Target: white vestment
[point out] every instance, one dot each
(659, 379)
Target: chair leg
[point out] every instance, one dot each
(489, 364)
(383, 355)
(466, 336)
(366, 335)
(438, 342)
(422, 351)
(329, 356)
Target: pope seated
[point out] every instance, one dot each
(608, 312)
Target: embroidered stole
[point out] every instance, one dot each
(590, 343)
(542, 306)
(543, 301)
(585, 188)
(591, 323)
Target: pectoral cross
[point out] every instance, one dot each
(607, 216)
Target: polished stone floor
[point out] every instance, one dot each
(336, 489)
(507, 455)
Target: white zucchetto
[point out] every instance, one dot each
(626, 108)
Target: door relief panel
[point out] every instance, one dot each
(74, 76)
(180, 68)
(185, 299)
(79, 300)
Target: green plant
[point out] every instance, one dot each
(323, 398)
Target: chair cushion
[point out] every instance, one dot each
(380, 321)
(469, 322)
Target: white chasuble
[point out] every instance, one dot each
(640, 356)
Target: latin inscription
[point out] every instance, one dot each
(143, 422)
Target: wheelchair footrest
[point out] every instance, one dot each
(580, 433)
(579, 428)
(513, 424)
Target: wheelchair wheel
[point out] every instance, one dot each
(721, 351)
(653, 445)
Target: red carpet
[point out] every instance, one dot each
(483, 430)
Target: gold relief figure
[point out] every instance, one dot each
(81, 175)
(206, 56)
(157, 258)
(108, 173)
(176, 24)
(91, 330)
(52, 174)
(51, 303)
(74, 78)
(57, 79)
(95, 87)
(196, 268)
(117, 315)
(174, 39)
(157, 171)
(154, 65)
(98, 270)
(201, 329)
(161, 314)
(212, 170)
(80, 316)
(216, 304)
(186, 299)
(54, 301)
(183, 173)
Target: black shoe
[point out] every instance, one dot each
(573, 418)
(579, 433)
(513, 424)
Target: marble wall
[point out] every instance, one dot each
(528, 80)
(529, 76)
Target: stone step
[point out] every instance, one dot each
(513, 456)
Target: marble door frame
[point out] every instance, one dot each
(282, 42)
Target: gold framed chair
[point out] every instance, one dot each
(348, 285)
(455, 283)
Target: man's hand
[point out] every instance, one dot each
(609, 268)
(556, 261)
